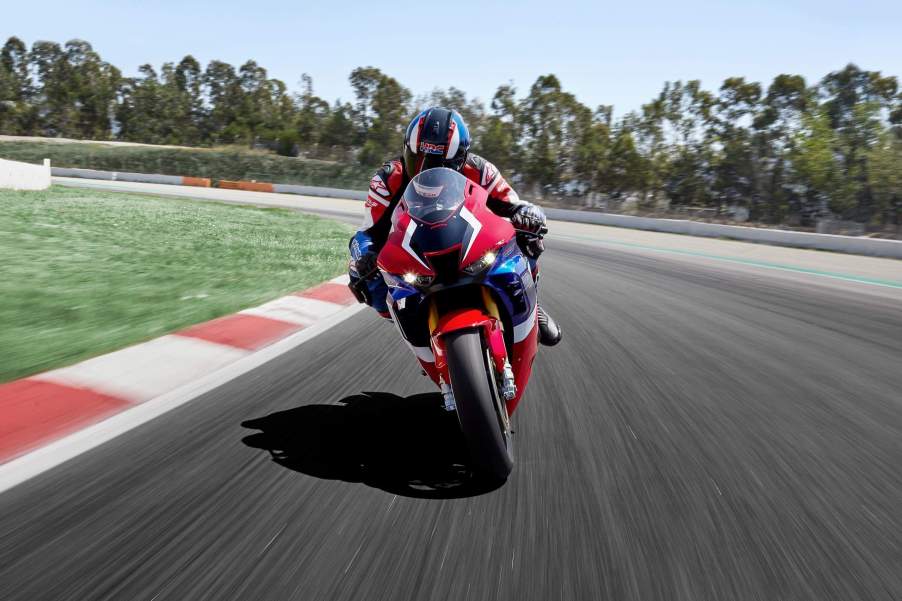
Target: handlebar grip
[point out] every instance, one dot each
(528, 234)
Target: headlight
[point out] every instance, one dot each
(481, 264)
(420, 281)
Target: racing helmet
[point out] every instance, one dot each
(437, 137)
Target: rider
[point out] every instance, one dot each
(438, 137)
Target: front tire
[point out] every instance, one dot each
(478, 403)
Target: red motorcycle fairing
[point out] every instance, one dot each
(455, 237)
(522, 357)
(472, 227)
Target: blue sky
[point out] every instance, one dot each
(606, 53)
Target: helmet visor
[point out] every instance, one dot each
(434, 195)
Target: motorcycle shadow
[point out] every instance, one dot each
(408, 446)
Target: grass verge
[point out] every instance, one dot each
(230, 163)
(87, 272)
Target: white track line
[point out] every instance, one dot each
(40, 460)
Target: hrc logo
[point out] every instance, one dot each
(430, 148)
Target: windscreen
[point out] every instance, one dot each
(433, 195)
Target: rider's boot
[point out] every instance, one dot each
(549, 331)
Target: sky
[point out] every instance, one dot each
(617, 53)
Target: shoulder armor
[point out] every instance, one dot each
(388, 180)
(485, 171)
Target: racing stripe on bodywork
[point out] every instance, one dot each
(414, 142)
(476, 227)
(405, 244)
(522, 331)
(453, 139)
(375, 198)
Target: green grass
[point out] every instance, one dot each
(86, 272)
(232, 163)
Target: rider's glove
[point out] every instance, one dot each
(365, 266)
(529, 218)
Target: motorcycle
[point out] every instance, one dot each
(463, 296)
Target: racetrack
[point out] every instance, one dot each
(710, 428)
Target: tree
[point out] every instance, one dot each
(364, 81)
(885, 177)
(676, 137)
(338, 127)
(381, 113)
(254, 106)
(225, 98)
(817, 165)
(545, 116)
(779, 119)
(856, 101)
(592, 147)
(313, 113)
(736, 166)
(93, 86)
(790, 152)
(16, 92)
(499, 140)
(54, 97)
(142, 114)
(192, 115)
(626, 169)
(472, 110)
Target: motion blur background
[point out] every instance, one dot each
(779, 112)
(721, 420)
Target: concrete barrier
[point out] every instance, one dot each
(246, 186)
(24, 176)
(200, 182)
(319, 191)
(848, 244)
(875, 247)
(113, 176)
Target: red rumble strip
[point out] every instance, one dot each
(248, 332)
(35, 412)
(329, 292)
(40, 409)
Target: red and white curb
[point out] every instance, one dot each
(48, 418)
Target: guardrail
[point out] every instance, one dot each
(875, 247)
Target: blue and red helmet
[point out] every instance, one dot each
(437, 137)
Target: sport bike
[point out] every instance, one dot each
(463, 296)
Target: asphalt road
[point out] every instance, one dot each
(703, 432)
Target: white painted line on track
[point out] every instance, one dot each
(58, 452)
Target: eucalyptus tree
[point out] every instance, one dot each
(17, 114)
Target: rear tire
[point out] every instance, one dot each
(478, 404)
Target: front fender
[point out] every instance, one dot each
(467, 319)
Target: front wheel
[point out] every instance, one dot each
(473, 383)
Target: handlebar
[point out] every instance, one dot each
(528, 234)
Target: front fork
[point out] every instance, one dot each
(493, 334)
